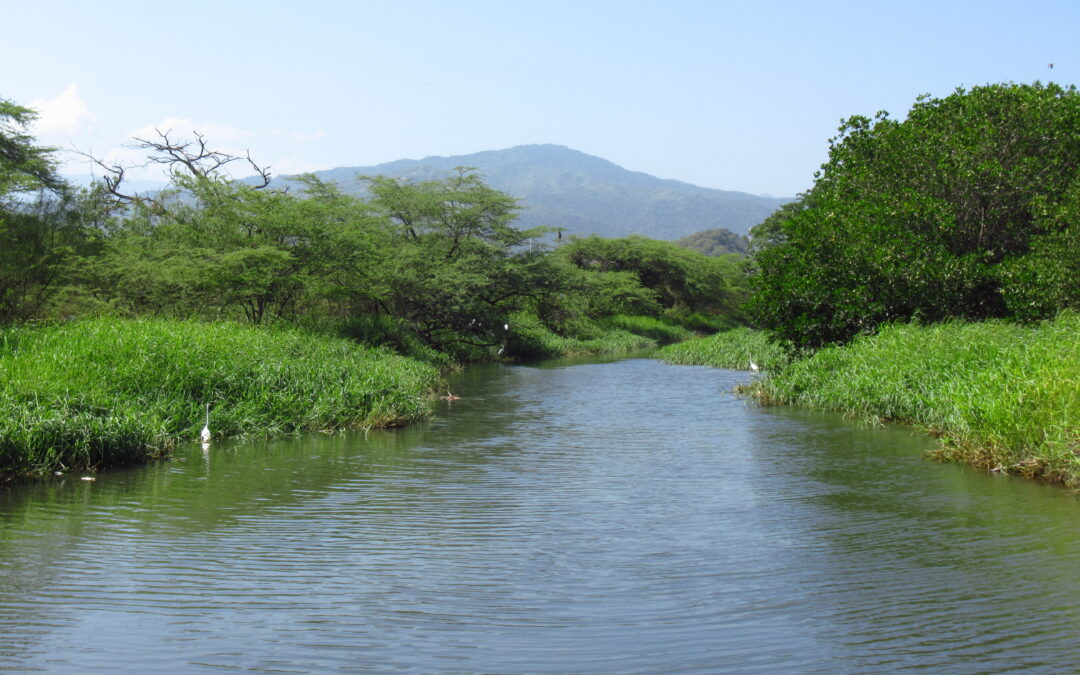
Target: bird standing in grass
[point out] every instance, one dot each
(753, 366)
(205, 435)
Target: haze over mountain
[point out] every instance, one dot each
(583, 194)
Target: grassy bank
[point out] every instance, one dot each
(1001, 396)
(105, 392)
(730, 349)
(531, 339)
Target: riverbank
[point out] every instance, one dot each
(105, 392)
(733, 349)
(1000, 396)
(530, 339)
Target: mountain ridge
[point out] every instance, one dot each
(580, 193)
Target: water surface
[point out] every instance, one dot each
(607, 517)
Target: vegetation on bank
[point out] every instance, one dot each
(966, 211)
(969, 208)
(124, 313)
(1002, 396)
(437, 263)
(532, 339)
(106, 392)
(733, 349)
(931, 275)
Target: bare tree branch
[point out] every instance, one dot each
(193, 157)
(113, 177)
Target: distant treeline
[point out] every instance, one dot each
(434, 268)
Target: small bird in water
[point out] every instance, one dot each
(753, 366)
(450, 397)
(205, 435)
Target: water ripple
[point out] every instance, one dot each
(623, 517)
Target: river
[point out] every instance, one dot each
(610, 516)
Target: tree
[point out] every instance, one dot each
(24, 167)
(677, 280)
(923, 218)
(715, 242)
(42, 223)
(214, 246)
(458, 267)
(191, 159)
(770, 231)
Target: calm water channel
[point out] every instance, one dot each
(603, 517)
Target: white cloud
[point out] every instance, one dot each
(290, 166)
(65, 114)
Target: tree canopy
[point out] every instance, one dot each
(24, 166)
(967, 208)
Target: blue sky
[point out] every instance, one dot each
(730, 95)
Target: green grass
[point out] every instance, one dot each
(663, 332)
(531, 339)
(106, 392)
(731, 349)
(1001, 396)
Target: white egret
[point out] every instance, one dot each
(205, 435)
(753, 366)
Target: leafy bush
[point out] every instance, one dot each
(968, 208)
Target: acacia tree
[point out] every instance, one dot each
(43, 224)
(216, 246)
(924, 218)
(645, 276)
(457, 266)
(24, 166)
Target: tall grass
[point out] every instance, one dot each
(1001, 396)
(731, 349)
(531, 339)
(662, 331)
(109, 391)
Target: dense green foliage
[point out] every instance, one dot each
(643, 276)
(43, 227)
(24, 166)
(88, 394)
(1003, 396)
(733, 349)
(533, 339)
(968, 208)
(715, 242)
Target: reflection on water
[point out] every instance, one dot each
(621, 516)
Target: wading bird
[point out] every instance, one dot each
(205, 435)
(753, 366)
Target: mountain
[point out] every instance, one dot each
(582, 194)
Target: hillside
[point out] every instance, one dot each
(584, 194)
(715, 242)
